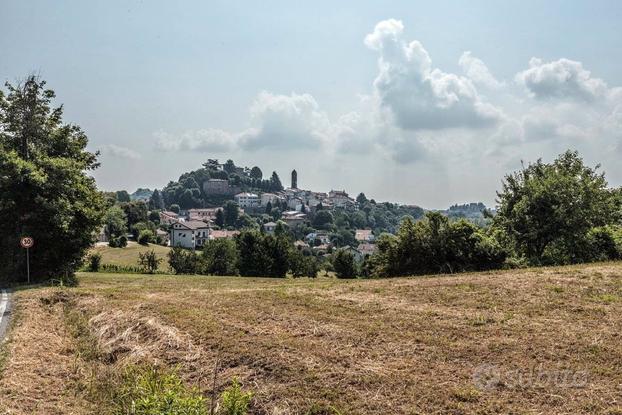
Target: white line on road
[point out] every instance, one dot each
(4, 298)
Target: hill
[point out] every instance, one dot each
(541, 340)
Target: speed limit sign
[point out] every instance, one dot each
(27, 242)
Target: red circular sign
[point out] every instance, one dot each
(27, 242)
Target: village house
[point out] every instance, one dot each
(189, 234)
(218, 234)
(323, 237)
(269, 227)
(364, 235)
(340, 199)
(168, 218)
(293, 218)
(206, 215)
(269, 198)
(367, 249)
(247, 200)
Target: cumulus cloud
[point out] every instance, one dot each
(209, 140)
(120, 152)
(286, 122)
(477, 71)
(418, 96)
(563, 78)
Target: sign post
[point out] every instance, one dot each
(27, 242)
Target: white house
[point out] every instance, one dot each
(364, 235)
(269, 227)
(247, 200)
(190, 234)
(269, 197)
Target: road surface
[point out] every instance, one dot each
(5, 312)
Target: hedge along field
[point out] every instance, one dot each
(539, 340)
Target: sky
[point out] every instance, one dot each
(427, 103)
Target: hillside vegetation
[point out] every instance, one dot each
(128, 256)
(543, 340)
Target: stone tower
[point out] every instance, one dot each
(294, 180)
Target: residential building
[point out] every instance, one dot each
(367, 249)
(269, 227)
(168, 217)
(340, 199)
(293, 218)
(206, 215)
(189, 234)
(217, 234)
(323, 237)
(364, 235)
(247, 200)
(269, 197)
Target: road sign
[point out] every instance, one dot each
(27, 242)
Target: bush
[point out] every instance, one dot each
(149, 261)
(343, 264)
(145, 237)
(234, 401)
(220, 257)
(302, 265)
(120, 242)
(183, 261)
(149, 391)
(94, 262)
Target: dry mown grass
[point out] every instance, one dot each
(399, 346)
(128, 256)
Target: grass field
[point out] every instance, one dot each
(128, 256)
(536, 341)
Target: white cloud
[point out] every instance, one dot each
(562, 79)
(208, 140)
(477, 71)
(120, 152)
(418, 96)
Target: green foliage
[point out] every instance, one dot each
(234, 401)
(183, 261)
(220, 218)
(231, 212)
(150, 391)
(323, 219)
(94, 261)
(136, 212)
(146, 236)
(149, 261)
(120, 242)
(123, 196)
(343, 264)
(436, 245)
(301, 265)
(220, 257)
(45, 189)
(256, 173)
(174, 208)
(115, 222)
(544, 209)
(262, 255)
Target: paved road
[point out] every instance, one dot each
(5, 312)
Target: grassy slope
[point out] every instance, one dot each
(398, 346)
(129, 255)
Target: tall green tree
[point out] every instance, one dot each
(256, 173)
(231, 212)
(220, 257)
(115, 222)
(45, 191)
(547, 209)
(275, 183)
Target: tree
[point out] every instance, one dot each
(269, 207)
(275, 183)
(135, 211)
(343, 264)
(256, 173)
(231, 213)
(183, 261)
(45, 191)
(361, 199)
(546, 210)
(220, 257)
(123, 196)
(155, 201)
(229, 166)
(253, 260)
(323, 219)
(220, 218)
(149, 261)
(145, 237)
(115, 222)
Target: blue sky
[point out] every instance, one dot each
(161, 86)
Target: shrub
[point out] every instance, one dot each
(302, 265)
(149, 391)
(234, 401)
(145, 237)
(120, 242)
(149, 261)
(221, 257)
(94, 262)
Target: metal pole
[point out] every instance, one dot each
(28, 264)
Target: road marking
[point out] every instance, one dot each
(4, 298)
